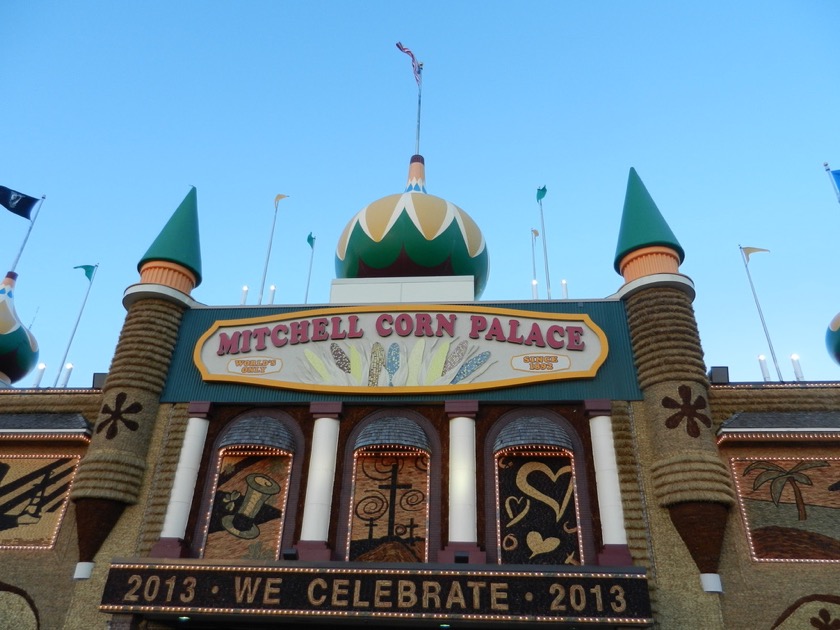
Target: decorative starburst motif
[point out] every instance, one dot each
(824, 621)
(117, 415)
(688, 411)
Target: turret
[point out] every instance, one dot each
(677, 450)
(111, 475)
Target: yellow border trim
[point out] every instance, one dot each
(208, 376)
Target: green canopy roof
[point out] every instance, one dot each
(178, 242)
(642, 224)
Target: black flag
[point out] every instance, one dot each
(17, 202)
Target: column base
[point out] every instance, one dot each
(615, 556)
(711, 582)
(462, 553)
(314, 550)
(83, 570)
(169, 548)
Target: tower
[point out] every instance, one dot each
(111, 474)
(678, 459)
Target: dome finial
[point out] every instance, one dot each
(416, 174)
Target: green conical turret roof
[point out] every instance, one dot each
(642, 224)
(178, 242)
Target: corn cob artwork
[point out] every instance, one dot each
(377, 360)
(470, 366)
(393, 362)
(454, 357)
(340, 357)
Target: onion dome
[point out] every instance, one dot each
(18, 348)
(642, 226)
(832, 338)
(178, 243)
(412, 234)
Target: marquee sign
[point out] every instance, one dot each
(379, 594)
(401, 349)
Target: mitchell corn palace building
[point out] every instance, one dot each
(408, 455)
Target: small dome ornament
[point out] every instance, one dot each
(832, 338)
(18, 348)
(412, 234)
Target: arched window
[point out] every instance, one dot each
(388, 518)
(247, 506)
(538, 506)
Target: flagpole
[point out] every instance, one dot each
(545, 251)
(78, 319)
(760, 314)
(270, 241)
(309, 275)
(833, 180)
(419, 97)
(28, 232)
(535, 294)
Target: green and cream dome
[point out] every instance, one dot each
(412, 234)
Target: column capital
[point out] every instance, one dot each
(461, 408)
(199, 409)
(326, 409)
(597, 407)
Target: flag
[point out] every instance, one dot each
(17, 202)
(277, 200)
(535, 233)
(415, 65)
(836, 176)
(541, 193)
(752, 250)
(88, 269)
(311, 240)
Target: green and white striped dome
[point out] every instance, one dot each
(412, 234)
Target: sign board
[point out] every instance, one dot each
(401, 349)
(379, 594)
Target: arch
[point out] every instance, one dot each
(391, 489)
(251, 488)
(536, 507)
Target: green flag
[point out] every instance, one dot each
(541, 193)
(311, 240)
(88, 269)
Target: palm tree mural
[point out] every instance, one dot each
(779, 478)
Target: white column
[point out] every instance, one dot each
(319, 486)
(186, 474)
(462, 481)
(606, 478)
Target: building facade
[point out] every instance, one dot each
(411, 455)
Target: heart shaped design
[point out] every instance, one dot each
(531, 491)
(513, 503)
(537, 544)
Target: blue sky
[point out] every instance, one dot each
(726, 110)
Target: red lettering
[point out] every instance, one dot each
(496, 331)
(514, 328)
(299, 332)
(403, 325)
(424, 325)
(574, 334)
(446, 324)
(535, 337)
(553, 333)
(228, 344)
(319, 329)
(478, 323)
(354, 332)
(259, 334)
(383, 319)
(276, 339)
(337, 333)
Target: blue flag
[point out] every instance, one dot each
(836, 176)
